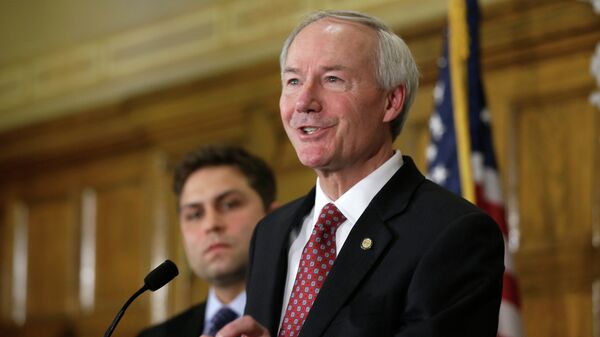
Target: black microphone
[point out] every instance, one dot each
(161, 275)
(155, 280)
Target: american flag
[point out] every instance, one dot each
(478, 164)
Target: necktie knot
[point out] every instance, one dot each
(220, 319)
(330, 218)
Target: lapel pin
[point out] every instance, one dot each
(366, 244)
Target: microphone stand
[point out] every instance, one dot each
(114, 323)
(155, 280)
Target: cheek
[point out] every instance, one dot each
(191, 236)
(360, 113)
(284, 103)
(243, 224)
(287, 105)
(285, 112)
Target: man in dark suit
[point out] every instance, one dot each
(222, 192)
(374, 249)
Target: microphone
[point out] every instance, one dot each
(155, 280)
(161, 275)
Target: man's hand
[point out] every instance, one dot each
(244, 326)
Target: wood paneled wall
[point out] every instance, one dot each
(86, 207)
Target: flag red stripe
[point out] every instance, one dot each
(497, 212)
(510, 290)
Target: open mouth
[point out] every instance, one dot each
(309, 130)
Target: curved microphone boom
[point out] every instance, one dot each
(155, 280)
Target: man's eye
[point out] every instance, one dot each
(293, 81)
(332, 79)
(231, 204)
(192, 216)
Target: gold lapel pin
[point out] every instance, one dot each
(366, 244)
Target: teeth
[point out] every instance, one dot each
(309, 130)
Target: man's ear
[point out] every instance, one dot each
(394, 103)
(274, 205)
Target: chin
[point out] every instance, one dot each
(310, 157)
(225, 277)
(313, 163)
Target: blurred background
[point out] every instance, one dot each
(100, 99)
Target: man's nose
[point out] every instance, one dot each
(213, 220)
(309, 98)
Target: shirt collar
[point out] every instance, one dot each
(213, 304)
(354, 202)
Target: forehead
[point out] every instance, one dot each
(339, 38)
(212, 180)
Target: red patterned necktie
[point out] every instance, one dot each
(315, 263)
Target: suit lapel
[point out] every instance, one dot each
(354, 262)
(350, 267)
(197, 324)
(279, 262)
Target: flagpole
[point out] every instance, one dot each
(460, 105)
(458, 42)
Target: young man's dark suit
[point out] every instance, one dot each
(434, 269)
(189, 323)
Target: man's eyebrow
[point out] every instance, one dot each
(227, 193)
(290, 70)
(334, 67)
(218, 198)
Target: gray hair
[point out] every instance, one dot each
(395, 64)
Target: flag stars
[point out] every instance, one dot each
(485, 116)
(432, 152)
(438, 92)
(439, 174)
(436, 126)
(442, 62)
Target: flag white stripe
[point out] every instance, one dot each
(488, 178)
(508, 261)
(491, 183)
(510, 320)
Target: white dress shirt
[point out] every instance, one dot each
(352, 204)
(213, 305)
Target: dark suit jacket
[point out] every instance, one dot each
(189, 323)
(435, 267)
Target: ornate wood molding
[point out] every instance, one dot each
(200, 43)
